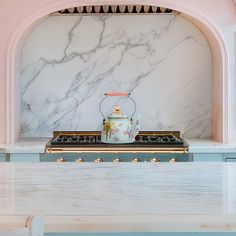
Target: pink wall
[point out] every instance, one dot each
(218, 22)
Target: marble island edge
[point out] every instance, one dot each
(130, 224)
(205, 206)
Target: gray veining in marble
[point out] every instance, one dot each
(69, 62)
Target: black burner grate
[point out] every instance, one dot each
(64, 139)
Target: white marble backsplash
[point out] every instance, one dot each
(69, 62)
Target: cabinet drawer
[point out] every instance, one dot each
(230, 159)
(207, 157)
(24, 157)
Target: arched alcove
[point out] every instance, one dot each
(220, 111)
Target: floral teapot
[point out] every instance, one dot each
(118, 128)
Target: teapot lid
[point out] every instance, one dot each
(117, 113)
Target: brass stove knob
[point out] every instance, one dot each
(79, 160)
(61, 159)
(135, 160)
(155, 160)
(173, 160)
(99, 160)
(117, 160)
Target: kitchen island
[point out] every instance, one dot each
(120, 197)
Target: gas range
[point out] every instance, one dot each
(80, 146)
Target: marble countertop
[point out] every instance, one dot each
(210, 146)
(121, 197)
(37, 145)
(26, 145)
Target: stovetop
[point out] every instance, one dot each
(152, 139)
(71, 141)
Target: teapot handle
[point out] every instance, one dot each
(116, 94)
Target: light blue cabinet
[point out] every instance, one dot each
(2, 157)
(23, 157)
(229, 157)
(208, 157)
(214, 157)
